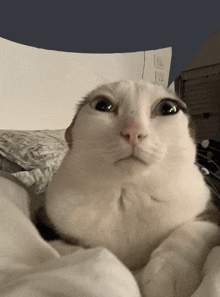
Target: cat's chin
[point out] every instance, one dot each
(132, 166)
(133, 160)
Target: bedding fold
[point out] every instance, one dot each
(29, 266)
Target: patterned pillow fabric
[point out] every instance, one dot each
(39, 153)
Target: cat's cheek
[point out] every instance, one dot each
(88, 133)
(172, 129)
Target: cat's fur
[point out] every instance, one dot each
(144, 209)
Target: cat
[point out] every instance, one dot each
(129, 183)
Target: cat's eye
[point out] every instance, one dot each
(166, 107)
(103, 104)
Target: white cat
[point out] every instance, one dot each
(129, 183)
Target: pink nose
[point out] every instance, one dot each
(133, 134)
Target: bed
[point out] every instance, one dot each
(29, 266)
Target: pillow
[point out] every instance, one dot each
(39, 153)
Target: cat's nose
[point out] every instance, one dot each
(133, 134)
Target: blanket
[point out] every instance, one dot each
(29, 266)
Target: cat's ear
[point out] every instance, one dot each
(68, 135)
(191, 125)
(192, 128)
(69, 132)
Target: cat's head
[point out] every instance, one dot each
(131, 126)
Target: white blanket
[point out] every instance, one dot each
(29, 266)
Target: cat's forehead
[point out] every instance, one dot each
(134, 90)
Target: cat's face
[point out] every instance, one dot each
(130, 126)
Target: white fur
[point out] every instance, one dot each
(127, 206)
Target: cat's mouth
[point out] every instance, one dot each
(132, 158)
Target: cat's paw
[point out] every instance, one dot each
(170, 276)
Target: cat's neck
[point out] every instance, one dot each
(139, 212)
(163, 182)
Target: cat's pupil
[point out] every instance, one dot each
(166, 108)
(103, 104)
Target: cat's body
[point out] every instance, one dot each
(129, 182)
